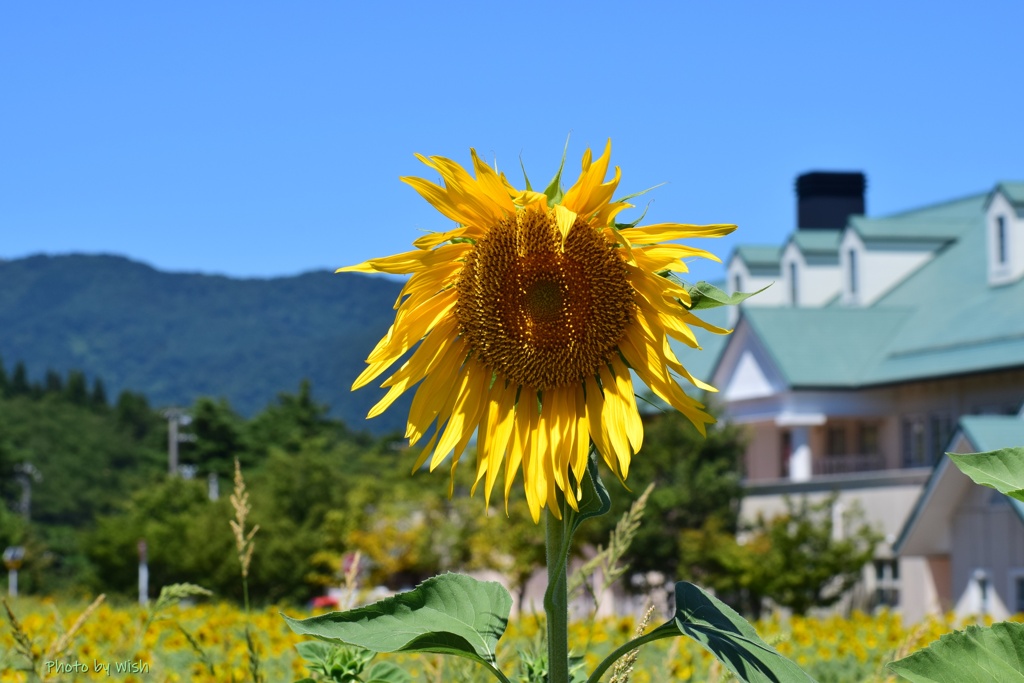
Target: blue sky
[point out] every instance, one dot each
(261, 139)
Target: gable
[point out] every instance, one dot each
(746, 369)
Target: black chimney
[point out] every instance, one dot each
(826, 199)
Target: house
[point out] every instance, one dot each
(856, 369)
(969, 539)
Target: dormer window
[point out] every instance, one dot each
(793, 284)
(1004, 234)
(737, 283)
(853, 272)
(1001, 239)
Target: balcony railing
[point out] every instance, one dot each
(847, 464)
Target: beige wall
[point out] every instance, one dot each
(987, 536)
(885, 508)
(924, 587)
(762, 459)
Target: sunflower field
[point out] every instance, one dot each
(207, 643)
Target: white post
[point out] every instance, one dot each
(143, 574)
(800, 460)
(12, 582)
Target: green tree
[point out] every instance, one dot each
(98, 397)
(219, 437)
(19, 380)
(53, 382)
(134, 416)
(696, 478)
(797, 559)
(77, 390)
(5, 382)
(187, 539)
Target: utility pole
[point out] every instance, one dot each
(26, 473)
(176, 417)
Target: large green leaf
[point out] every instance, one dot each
(729, 637)
(974, 655)
(386, 672)
(448, 614)
(1002, 470)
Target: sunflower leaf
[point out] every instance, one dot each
(706, 295)
(974, 655)
(386, 672)
(728, 636)
(1002, 470)
(448, 614)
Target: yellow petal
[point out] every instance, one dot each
(564, 218)
(433, 391)
(663, 232)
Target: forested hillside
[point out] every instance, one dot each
(177, 336)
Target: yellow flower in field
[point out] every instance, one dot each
(526, 319)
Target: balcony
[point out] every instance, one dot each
(847, 464)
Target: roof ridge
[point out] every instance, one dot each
(936, 205)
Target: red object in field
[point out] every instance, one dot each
(325, 601)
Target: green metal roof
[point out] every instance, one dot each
(943, 319)
(958, 322)
(759, 255)
(1014, 192)
(965, 207)
(825, 347)
(992, 432)
(817, 241)
(921, 229)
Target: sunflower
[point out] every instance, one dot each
(526, 320)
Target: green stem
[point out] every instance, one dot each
(657, 634)
(556, 599)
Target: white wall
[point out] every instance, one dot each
(817, 283)
(751, 280)
(880, 265)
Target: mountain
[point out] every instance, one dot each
(177, 336)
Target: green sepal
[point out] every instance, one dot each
(705, 295)
(595, 500)
(637, 194)
(526, 178)
(973, 655)
(448, 614)
(1002, 470)
(627, 226)
(554, 191)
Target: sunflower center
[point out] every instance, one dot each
(539, 313)
(543, 299)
